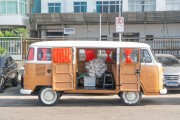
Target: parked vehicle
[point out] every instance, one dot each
(8, 72)
(56, 67)
(171, 67)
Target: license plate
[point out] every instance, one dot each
(172, 84)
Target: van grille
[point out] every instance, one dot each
(171, 77)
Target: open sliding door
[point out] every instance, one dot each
(62, 66)
(130, 69)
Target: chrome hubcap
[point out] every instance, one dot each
(130, 96)
(49, 96)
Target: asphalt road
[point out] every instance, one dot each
(14, 106)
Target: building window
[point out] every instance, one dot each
(142, 5)
(54, 7)
(22, 7)
(130, 36)
(55, 34)
(172, 4)
(3, 7)
(149, 37)
(108, 6)
(103, 37)
(80, 7)
(11, 7)
(35, 7)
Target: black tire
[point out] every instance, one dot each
(60, 94)
(2, 85)
(48, 97)
(131, 98)
(15, 81)
(119, 94)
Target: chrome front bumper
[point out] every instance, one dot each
(25, 92)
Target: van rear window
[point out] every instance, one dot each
(30, 54)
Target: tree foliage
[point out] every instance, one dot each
(19, 32)
(1, 34)
(22, 32)
(2, 50)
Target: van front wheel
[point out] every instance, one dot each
(47, 96)
(131, 98)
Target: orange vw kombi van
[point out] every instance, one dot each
(54, 68)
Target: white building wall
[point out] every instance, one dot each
(14, 20)
(158, 30)
(44, 5)
(92, 31)
(125, 7)
(160, 5)
(91, 6)
(67, 6)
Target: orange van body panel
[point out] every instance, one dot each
(37, 75)
(150, 79)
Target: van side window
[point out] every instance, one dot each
(105, 54)
(87, 54)
(82, 55)
(130, 55)
(30, 54)
(90, 54)
(145, 57)
(44, 54)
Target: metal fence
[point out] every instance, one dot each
(13, 46)
(166, 46)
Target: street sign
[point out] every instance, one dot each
(69, 30)
(119, 24)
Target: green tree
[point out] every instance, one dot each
(22, 32)
(2, 50)
(1, 34)
(7, 34)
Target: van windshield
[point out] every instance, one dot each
(155, 58)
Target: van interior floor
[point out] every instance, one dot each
(97, 87)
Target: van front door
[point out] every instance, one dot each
(62, 70)
(130, 69)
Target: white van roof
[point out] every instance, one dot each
(89, 44)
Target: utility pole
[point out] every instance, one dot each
(100, 27)
(119, 16)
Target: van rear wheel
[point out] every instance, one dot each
(47, 96)
(131, 98)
